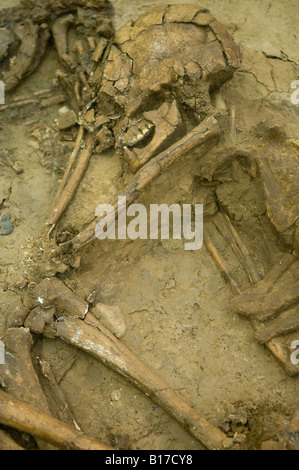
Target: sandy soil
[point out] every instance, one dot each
(176, 303)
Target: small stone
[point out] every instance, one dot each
(66, 119)
(101, 120)
(106, 139)
(63, 110)
(17, 317)
(116, 395)
(6, 227)
(170, 284)
(227, 443)
(89, 116)
(273, 445)
(112, 318)
(239, 416)
(239, 438)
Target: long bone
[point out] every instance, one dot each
(201, 137)
(92, 337)
(66, 195)
(270, 304)
(18, 375)
(19, 415)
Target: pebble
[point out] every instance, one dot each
(66, 119)
(112, 318)
(6, 226)
(116, 395)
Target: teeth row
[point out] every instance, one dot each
(139, 134)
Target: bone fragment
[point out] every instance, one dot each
(71, 186)
(67, 172)
(261, 307)
(52, 292)
(7, 443)
(287, 322)
(271, 278)
(235, 284)
(92, 337)
(19, 415)
(44, 103)
(231, 236)
(28, 34)
(202, 136)
(55, 395)
(18, 376)
(39, 318)
(60, 29)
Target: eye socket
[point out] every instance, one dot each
(149, 101)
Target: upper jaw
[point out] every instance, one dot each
(141, 139)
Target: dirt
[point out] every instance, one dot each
(176, 304)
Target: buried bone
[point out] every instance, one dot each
(56, 299)
(18, 414)
(92, 337)
(7, 442)
(254, 304)
(52, 292)
(28, 34)
(146, 76)
(201, 137)
(168, 127)
(287, 322)
(55, 396)
(18, 376)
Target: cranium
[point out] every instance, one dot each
(158, 76)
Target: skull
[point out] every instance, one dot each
(158, 76)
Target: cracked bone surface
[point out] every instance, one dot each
(161, 69)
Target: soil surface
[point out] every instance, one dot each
(176, 304)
